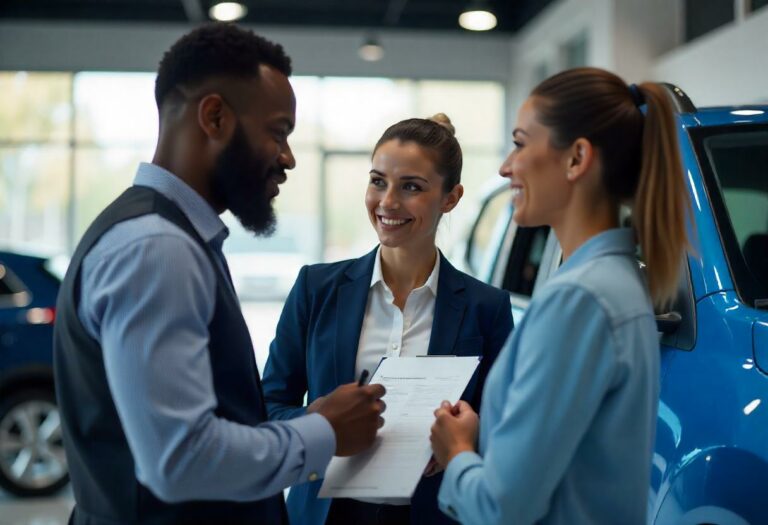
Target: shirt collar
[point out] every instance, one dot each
(618, 241)
(378, 277)
(202, 216)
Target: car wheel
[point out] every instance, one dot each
(32, 460)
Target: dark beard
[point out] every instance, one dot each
(239, 183)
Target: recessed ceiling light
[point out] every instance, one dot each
(227, 11)
(477, 17)
(747, 112)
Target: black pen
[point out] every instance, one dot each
(363, 377)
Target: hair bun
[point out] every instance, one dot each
(443, 120)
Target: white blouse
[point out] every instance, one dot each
(388, 331)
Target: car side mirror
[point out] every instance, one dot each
(669, 322)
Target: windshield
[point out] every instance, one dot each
(735, 164)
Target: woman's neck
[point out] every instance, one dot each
(405, 269)
(581, 223)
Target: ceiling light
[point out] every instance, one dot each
(371, 50)
(747, 112)
(477, 17)
(227, 11)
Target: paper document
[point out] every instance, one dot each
(393, 466)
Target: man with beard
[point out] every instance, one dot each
(160, 398)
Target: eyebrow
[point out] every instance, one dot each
(404, 177)
(518, 131)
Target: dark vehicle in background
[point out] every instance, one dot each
(32, 461)
(710, 461)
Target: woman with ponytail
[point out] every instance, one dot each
(569, 408)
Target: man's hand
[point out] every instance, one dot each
(454, 431)
(354, 412)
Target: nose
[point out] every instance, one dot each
(287, 160)
(389, 199)
(505, 170)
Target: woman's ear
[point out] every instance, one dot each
(452, 198)
(580, 159)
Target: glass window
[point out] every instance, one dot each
(34, 193)
(541, 72)
(525, 260)
(356, 111)
(574, 51)
(491, 223)
(308, 117)
(116, 108)
(70, 143)
(735, 162)
(101, 174)
(473, 108)
(349, 230)
(35, 106)
(758, 4)
(703, 17)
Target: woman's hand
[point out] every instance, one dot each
(316, 405)
(454, 431)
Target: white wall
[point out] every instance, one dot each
(642, 31)
(727, 66)
(542, 39)
(138, 47)
(642, 40)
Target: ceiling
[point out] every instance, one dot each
(370, 14)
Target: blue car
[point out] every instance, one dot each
(32, 461)
(710, 463)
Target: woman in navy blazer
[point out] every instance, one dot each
(339, 314)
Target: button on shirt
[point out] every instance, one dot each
(569, 407)
(148, 296)
(389, 332)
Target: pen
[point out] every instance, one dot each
(363, 377)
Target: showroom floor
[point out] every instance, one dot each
(261, 317)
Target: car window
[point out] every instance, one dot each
(525, 260)
(734, 160)
(489, 227)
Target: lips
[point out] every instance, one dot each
(274, 179)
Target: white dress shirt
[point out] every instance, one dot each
(388, 331)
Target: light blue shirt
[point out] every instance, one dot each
(148, 296)
(569, 409)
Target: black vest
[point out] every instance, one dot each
(100, 463)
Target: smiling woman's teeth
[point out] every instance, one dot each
(516, 192)
(393, 222)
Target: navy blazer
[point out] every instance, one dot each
(315, 350)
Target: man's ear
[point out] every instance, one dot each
(452, 198)
(214, 117)
(580, 159)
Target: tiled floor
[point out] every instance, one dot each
(261, 318)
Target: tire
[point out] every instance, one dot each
(32, 461)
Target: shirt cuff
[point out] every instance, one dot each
(319, 445)
(450, 492)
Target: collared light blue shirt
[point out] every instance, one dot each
(569, 409)
(148, 295)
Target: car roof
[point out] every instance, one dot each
(724, 115)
